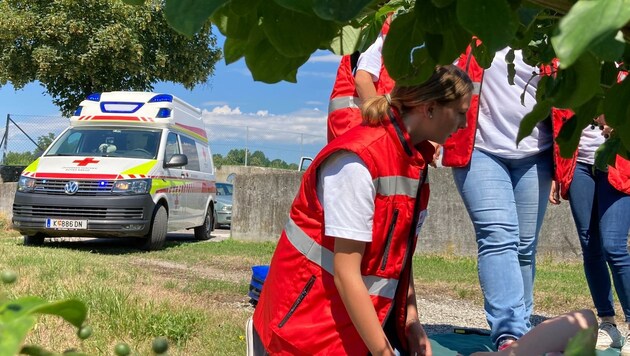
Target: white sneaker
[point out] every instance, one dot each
(609, 336)
(625, 350)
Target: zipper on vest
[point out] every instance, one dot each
(388, 242)
(298, 301)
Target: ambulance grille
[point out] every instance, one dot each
(61, 212)
(86, 187)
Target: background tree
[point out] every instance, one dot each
(74, 48)
(276, 37)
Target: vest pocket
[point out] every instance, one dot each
(298, 301)
(388, 242)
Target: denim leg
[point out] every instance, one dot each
(487, 191)
(531, 178)
(583, 203)
(614, 225)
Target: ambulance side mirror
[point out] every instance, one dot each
(177, 160)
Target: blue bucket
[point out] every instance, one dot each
(259, 274)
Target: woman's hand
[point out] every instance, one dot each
(419, 343)
(554, 194)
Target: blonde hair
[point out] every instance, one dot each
(447, 84)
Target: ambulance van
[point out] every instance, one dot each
(131, 164)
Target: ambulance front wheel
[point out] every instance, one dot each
(204, 232)
(157, 235)
(33, 240)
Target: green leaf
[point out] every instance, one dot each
(72, 310)
(371, 29)
(482, 55)
(540, 112)
(134, 2)
(278, 22)
(340, 11)
(233, 49)
(243, 7)
(571, 132)
(13, 333)
(267, 64)
(302, 6)
(188, 16)
(346, 42)
(609, 48)
(35, 350)
(609, 73)
(587, 23)
(406, 58)
(442, 3)
(232, 26)
(432, 19)
(617, 111)
(582, 344)
(606, 154)
(446, 47)
(491, 20)
(577, 84)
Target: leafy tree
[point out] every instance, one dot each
(74, 48)
(276, 37)
(235, 157)
(18, 158)
(258, 159)
(44, 141)
(217, 158)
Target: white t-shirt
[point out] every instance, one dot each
(371, 60)
(501, 111)
(590, 141)
(346, 192)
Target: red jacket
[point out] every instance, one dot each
(344, 104)
(618, 176)
(300, 311)
(459, 147)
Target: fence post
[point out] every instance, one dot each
(5, 139)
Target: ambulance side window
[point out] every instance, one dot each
(172, 147)
(190, 150)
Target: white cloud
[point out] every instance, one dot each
(225, 110)
(327, 58)
(214, 103)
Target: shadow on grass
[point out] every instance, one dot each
(118, 245)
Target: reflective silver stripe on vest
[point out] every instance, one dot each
(344, 102)
(396, 185)
(476, 88)
(323, 257)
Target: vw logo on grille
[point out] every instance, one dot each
(71, 187)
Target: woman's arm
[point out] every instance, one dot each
(348, 280)
(417, 338)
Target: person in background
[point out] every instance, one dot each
(340, 282)
(348, 93)
(600, 205)
(504, 188)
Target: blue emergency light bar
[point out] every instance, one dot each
(161, 98)
(94, 97)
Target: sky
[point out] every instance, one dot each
(284, 120)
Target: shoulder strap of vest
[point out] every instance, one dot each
(399, 132)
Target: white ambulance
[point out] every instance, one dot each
(131, 164)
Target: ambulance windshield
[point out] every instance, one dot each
(130, 143)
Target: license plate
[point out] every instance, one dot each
(65, 224)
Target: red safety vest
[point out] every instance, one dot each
(343, 107)
(459, 147)
(300, 311)
(618, 176)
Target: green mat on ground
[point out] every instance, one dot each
(465, 344)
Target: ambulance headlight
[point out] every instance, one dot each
(26, 184)
(132, 186)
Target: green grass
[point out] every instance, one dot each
(195, 294)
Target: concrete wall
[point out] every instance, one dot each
(262, 202)
(263, 196)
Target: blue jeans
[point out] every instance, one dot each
(506, 200)
(584, 209)
(614, 225)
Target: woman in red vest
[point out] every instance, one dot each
(600, 205)
(340, 282)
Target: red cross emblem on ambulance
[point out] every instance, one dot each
(84, 162)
